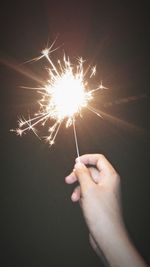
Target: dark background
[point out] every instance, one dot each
(40, 226)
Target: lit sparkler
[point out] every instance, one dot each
(63, 97)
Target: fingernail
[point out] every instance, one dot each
(66, 178)
(74, 197)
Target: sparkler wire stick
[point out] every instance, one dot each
(75, 136)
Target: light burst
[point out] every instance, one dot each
(63, 97)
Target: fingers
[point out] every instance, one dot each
(101, 172)
(83, 175)
(99, 161)
(76, 194)
(95, 175)
(71, 178)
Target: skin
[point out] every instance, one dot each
(99, 195)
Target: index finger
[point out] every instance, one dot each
(97, 160)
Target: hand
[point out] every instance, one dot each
(99, 196)
(98, 193)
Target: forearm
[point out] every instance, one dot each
(118, 249)
(99, 195)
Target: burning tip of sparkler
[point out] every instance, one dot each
(64, 95)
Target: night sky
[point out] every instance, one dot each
(40, 226)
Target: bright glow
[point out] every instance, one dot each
(63, 96)
(68, 96)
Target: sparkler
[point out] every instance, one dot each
(63, 96)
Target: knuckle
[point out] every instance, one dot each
(101, 156)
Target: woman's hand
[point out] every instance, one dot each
(99, 196)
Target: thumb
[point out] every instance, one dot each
(83, 176)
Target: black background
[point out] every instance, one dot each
(40, 226)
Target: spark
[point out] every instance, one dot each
(62, 97)
(93, 71)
